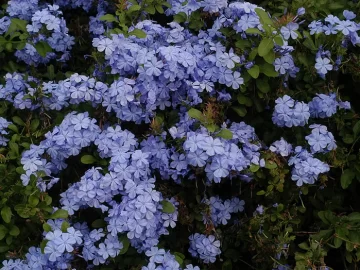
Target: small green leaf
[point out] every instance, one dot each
(43, 48)
(254, 71)
(279, 40)
(98, 223)
(61, 213)
(33, 200)
(34, 124)
(337, 242)
(6, 214)
(138, 33)
(268, 70)
(64, 226)
(108, 18)
(270, 165)
(3, 231)
(196, 114)
(168, 207)
(225, 134)
(263, 85)
(126, 243)
(264, 17)
(13, 128)
(14, 231)
(17, 120)
(244, 100)
(269, 57)
(43, 245)
(354, 217)
(46, 227)
(180, 17)
(253, 31)
(240, 110)
(227, 265)
(356, 129)
(133, 8)
(265, 46)
(260, 193)
(254, 168)
(88, 159)
(346, 178)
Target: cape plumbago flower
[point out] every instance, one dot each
(204, 247)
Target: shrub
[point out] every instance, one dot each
(179, 135)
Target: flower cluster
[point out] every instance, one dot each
(204, 247)
(47, 28)
(320, 139)
(220, 211)
(306, 168)
(3, 126)
(289, 112)
(332, 25)
(323, 106)
(281, 147)
(59, 242)
(75, 132)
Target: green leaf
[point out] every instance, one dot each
(3, 231)
(13, 128)
(309, 43)
(43, 245)
(225, 134)
(159, 9)
(180, 17)
(196, 114)
(64, 226)
(356, 129)
(61, 213)
(270, 57)
(98, 223)
(240, 110)
(337, 242)
(126, 243)
(279, 40)
(254, 168)
(138, 33)
(17, 120)
(244, 100)
(33, 200)
(253, 31)
(269, 164)
(354, 217)
(227, 265)
(260, 193)
(211, 127)
(133, 8)
(43, 48)
(346, 178)
(254, 71)
(6, 214)
(14, 231)
(179, 259)
(168, 207)
(263, 85)
(265, 46)
(88, 159)
(34, 124)
(108, 18)
(264, 17)
(46, 227)
(268, 70)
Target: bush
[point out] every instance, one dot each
(179, 135)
